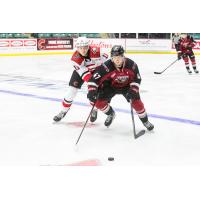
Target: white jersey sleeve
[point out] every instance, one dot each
(80, 66)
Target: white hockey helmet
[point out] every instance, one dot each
(183, 35)
(82, 42)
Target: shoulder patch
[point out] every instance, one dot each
(94, 52)
(76, 57)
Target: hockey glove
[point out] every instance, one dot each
(133, 93)
(92, 94)
(179, 55)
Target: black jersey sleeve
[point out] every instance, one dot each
(98, 74)
(137, 79)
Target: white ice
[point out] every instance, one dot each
(29, 137)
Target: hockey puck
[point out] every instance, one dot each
(110, 158)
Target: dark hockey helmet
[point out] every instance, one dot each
(117, 50)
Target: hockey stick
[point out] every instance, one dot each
(166, 67)
(85, 124)
(140, 133)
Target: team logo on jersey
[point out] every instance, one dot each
(94, 50)
(77, 56)
(122, 79)
(75, 83)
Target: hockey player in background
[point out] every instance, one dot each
(185, 45)
(175, 40)
(84, 60)
(118, 75)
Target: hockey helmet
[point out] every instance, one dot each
(82, 42)
(184, 35)
(117, 50)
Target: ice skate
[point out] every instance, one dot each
(148, 125)
(109, 119)
(61, 115)
(189, 71)
(93, 116)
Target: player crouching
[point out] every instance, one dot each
(118, 75)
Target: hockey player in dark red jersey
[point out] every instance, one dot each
(185, 45)
(118, 75)
(84, 60)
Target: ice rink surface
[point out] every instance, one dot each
(31, 91)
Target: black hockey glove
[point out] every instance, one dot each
(92, 94)
(133, 93)
(179, 55)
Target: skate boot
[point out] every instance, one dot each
(59, 116)
(196, 71)
(148, 125)
(110, 119)
(93, 116)
(189, 71)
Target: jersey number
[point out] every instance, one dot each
(76, 67)
(96, 76)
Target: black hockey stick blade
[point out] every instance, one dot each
(166, 67)
(142, 132)
(157, 72)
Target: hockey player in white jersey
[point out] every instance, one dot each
(84, 60)
(175, 40)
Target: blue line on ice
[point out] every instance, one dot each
(181, 120)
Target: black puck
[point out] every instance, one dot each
(110, 158)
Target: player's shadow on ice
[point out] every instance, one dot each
(78, 124)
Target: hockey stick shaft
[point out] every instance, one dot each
(142, 132)
(133, 120)
(166, 67)
(85, 124)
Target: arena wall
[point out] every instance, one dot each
(53, 46)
